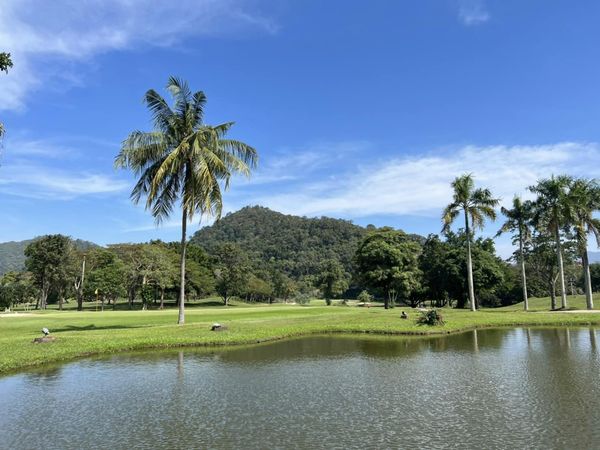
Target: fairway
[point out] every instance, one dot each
(90, 332)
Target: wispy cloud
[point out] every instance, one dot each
(45, 37)
(420, 185)
(472, 12)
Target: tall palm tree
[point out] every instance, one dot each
(476, 204)
(582, 201)
(518, 220)
(550, 216)
(183, 159)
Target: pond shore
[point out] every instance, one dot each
(80, 334)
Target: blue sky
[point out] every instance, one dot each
(360, 110)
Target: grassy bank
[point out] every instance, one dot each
(89, 332)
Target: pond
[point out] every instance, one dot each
(509, 388)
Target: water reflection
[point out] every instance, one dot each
(531, 387)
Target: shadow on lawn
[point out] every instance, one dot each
(93, 327)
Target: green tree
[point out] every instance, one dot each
(387, 260)
(551, 215)
(48, 260)
(16, 287)
(332, 280)
(183, 159)
(517, 219)
(583, 200)
(232, 271)
(476, 204)
(107, 278)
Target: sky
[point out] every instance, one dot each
(364, 111)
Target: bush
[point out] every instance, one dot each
(432, 317)
(302, 298)
(365, 297)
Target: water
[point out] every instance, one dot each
(520, 388)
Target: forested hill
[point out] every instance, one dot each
(12, 255)
(294, 244)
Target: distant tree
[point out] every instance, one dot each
(16, 287)
(518, 218)
(48, 260)
(107, 279)
(232, 271)
(183, 158)
(283, 286)
(365, 297)
(582, 202)
(550, 215)
(387, 260)
(595, 276)
(332, 280)
(474, 204)
(257, 289)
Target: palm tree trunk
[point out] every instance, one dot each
(589, 300)
(181, 319)
(561, 269)
(523, 275)
(469, 265)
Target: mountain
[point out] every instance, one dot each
(296, 245)
(12, 255)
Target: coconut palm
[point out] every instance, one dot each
(551, 216)
(518, 220)
(183, 159)
(582, 201)
(475, 204)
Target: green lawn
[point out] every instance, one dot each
(90, 332)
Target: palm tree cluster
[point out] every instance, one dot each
(564, 207)
(183, 159)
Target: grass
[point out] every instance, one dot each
(89, 332)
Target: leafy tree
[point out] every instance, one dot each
(16, 287)
(387, 260)
(48, 261)
(518, 220)
(365, 297)
(595, 276)
(283, 286)
(476, 204)
(5, 64)
(550, 215)
(332, 281)
(583, 200)
(257, 289)
(107, 278)
(232, 272)
(183, 158)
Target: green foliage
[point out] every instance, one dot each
(386, 260)
(332, 280)
(294, 245)
(433, 317)
(48, 261)
(365, 297)
(232, 271)
(5, 62)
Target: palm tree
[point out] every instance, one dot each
(550, 216)
(476, 204)
(582, 201)
(517, 220)
(183, 159)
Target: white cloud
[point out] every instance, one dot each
(420, 185)
(44, 37)
(33, 181)
(472, 12)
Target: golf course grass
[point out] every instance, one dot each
(93, 332)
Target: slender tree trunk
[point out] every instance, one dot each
(469, 265)
(523, 274)
(162, 298)
(181, 319)
(561, 269)
(80, 287)
(589, 300)
(553, 293)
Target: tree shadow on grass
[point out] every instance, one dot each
(93, 327)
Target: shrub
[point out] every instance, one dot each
(432, 317)
(302, 298)
(365, 297)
